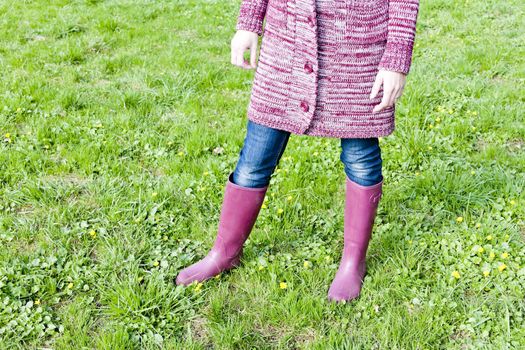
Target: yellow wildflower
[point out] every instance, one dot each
(264, 206)
(155, 263)
(512, 202)
(481, 250)
(459, 219)
(486, 273)
(478, 225)
(504, 255)
(198, 287)
(283, 285)
(261, 267)
(37, 302)
(502, 267)
(306, 264)
(438, 119)
(289, 198)
(489, 238)
(455, 274)
(180, 153)
(492, 255)
(280, 211)
(93, 233)
(70, 285)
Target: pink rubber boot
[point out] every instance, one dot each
(360, 211)
(240, 208)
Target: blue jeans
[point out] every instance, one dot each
(264, 146)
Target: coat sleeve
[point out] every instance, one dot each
(251, 15)
(402, 17)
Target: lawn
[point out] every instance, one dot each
(119, 123)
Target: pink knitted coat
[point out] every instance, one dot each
(318, 61)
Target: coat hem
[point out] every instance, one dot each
(320, 132)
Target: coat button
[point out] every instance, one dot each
(311, 21)
(304, 106)
(308, 67)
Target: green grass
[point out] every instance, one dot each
(119, 122)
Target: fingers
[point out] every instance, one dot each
(377, 85)
(239, 45)
(253, 55)
(392, 91)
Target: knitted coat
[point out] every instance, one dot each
(318, 60)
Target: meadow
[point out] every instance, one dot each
(119, 123)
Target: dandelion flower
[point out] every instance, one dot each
(504, 255)
(198, 287)
(283, 285)
(455, 274)
(93, 233)
(486, 273)
(306, 264)
(37, 302)
(502, 267)
(264, 206)
(459, 219)
(70, 285)
(155, 263)
(481, 250)
(489, 238)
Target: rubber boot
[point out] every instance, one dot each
(360, 210)
(240, 208)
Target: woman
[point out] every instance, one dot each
(327, 68)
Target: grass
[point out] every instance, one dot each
(119, 123)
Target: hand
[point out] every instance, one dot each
(244, 40)
(393, 85)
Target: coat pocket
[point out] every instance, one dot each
(366, 21)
